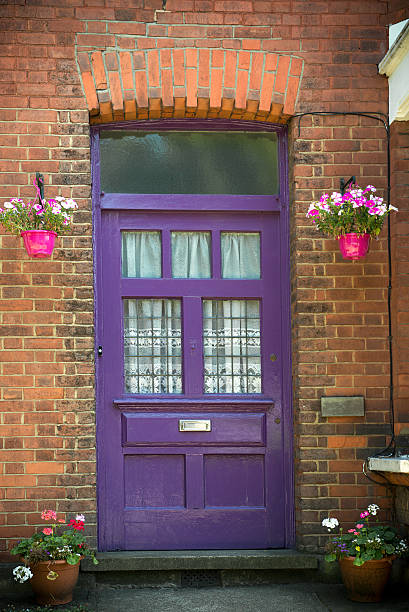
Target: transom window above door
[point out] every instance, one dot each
(236, 162)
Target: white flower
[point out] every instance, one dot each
(330, 523)
(80, 517)
(393, 208)
(373, 509)
(8, 205)
(22, 573)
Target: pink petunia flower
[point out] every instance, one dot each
(359, 526)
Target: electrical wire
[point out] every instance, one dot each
(390, 450)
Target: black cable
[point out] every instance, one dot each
(390, 450)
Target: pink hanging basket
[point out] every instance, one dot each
(39, 243)
(354, 246)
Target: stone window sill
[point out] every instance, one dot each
(394, 469)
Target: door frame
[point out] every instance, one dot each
(202, 125)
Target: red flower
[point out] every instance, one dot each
(77, 525)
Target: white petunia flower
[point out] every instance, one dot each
(373, 509)
(22, 573)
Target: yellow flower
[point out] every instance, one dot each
(358, 548)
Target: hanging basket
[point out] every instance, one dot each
(39, 243)
(354, 246)
(366, 582)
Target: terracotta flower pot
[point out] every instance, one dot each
(365, 582)
(39, 243)
(354, 246)
(58, 590)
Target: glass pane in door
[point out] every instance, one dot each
(141, 254)
(240, 254)
(241, 163)
(191, 254)
(152, 346)
(231, 346)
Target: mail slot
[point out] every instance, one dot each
(195, 425)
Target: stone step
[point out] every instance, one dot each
(128, 561)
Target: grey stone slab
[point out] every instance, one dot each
(343, 406)
(237, 599)
(211, 559)
(390, 464)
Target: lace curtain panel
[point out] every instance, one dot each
(231, 345)
(153, 346)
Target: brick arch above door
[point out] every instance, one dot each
(189, 82)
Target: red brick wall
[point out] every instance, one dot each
(339, 308)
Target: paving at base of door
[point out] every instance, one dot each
(256, 598)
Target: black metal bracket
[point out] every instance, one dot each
(343, 185)
(164, 5)
(40, 184)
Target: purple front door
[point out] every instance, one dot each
(190, 415)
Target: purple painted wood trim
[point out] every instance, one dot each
(287, 395)
(205, 450)
(216, 255)
(194, 481)
(248, 220)
(193, 343)
(183, 201)
(165, 287)
(166, 249)
(210, 402)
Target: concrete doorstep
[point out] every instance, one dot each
(210, 581)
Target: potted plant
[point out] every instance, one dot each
(37, 221)
(352, 218)
(52, 557)
(365, 554)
